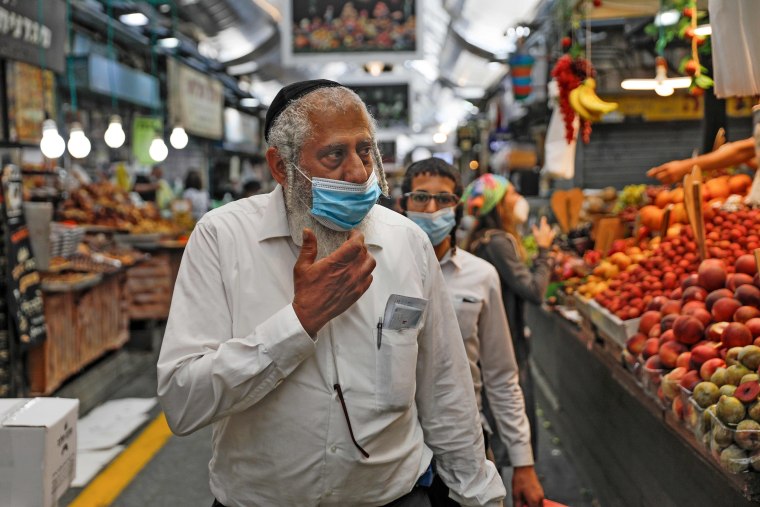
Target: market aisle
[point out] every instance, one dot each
(178, 473)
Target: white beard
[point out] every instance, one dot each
(299, 218)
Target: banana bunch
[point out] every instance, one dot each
(587, 103)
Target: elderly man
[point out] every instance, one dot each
(313, 330)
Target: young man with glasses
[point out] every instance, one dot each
(431, 193)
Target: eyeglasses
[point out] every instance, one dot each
(443, 199)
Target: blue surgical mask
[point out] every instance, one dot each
(436, 225)
(341, 205)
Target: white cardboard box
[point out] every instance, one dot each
(38, 448)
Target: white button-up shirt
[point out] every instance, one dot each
(476, 291)
(236, 356)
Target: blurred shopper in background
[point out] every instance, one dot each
(499, 211)
(431, 192)
(199, 198)
(251, 188)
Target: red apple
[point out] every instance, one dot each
(684, 359)
(754, 327)
(748, 295)
(651, 347)
(693, 293)
(688, 329)
(716, 295)
(712, 274)
(671, 307)
(715, 331)
(699, 313)
(737, 280)
(689, 281)
(736, 335)
(724, 309)
(690, 380)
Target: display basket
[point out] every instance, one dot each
(737, 451)
(651, 381)
(610, 325)
(694, 417)
(64, 239)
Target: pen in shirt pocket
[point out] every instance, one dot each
(379, 332)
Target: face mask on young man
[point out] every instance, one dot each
(436, 225)
(341, 205)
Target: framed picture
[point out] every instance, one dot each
(389, 103)
(30, 93)
(355, 31)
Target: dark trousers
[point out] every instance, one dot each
(418, 497)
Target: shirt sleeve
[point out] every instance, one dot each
(500, 377)
(205, 373)
(529, 284)
(446, 401)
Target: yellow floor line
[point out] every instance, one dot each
(108, 484)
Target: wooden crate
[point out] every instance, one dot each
(82, 325)
(150, 285)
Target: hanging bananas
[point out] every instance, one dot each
(587, 103)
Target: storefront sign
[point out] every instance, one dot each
(24, 292)
(680, 106)
(144, 129)
(241, 131)
(195, 101)
(30, 94)
(33, 30)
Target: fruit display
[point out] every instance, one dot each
(569, 73)
(105, 204)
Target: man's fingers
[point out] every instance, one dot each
(350, 249)
(308, 253)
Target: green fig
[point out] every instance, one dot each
(735, 372)
(732, 356)
(722, 435)
(705, 394)
(749, 356)
(734, 459)
(749, 377)
(727, 389)
(720, 376)
(730, 410)
(754, 411)
(747, 435)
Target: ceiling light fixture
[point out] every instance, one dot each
(169, 42)
(440, 138)
(667, 18)
(79, 146)
(178, 138)
(114, 135)
(52, 144)
(158, 150)
(134, 19)
(250, 102)
(703, 30)
(661, 84)
(375, 68)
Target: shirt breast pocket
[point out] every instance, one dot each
(396, 369)
(467, 309)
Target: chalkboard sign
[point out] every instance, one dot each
(24, 292)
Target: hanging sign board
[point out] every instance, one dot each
(195, 101)
(144, 129)
(241, 131)
(24, 292)
(33, 30)
(30, 92)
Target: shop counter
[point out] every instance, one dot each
(633, 452)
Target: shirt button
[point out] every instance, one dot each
(333, 449)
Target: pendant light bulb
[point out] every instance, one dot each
(114, 136)
(178, 138)
(79, 146)
(52, 144)
(158, 150)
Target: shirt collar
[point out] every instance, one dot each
(275, 220)
(454, 259)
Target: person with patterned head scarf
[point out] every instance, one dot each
(499, 210)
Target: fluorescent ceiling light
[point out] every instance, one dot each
(168, 42)
(703, 31)
(250, 102)
(651, 84)
(134, 19)
(667, 18)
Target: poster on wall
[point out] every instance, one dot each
(195, 101)
(30, 93)
(144, 129)
(241, 131)
(24, 284)
(388, 103)
(351, 30)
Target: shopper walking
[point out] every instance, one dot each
(312, 329)
(499, 211)
(431, 193)
(199, 198)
